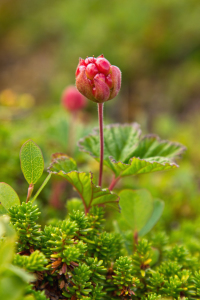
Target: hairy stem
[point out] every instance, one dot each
(100, 112)
(113, 183)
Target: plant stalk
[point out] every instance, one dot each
(113, 183)
(100, 113)
(30, 191)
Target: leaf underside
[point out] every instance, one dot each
(32, 162)
(126, 153)
(90, 194)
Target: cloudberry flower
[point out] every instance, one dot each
(97, 79)
(72, 100)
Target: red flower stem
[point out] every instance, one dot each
(100, 112)
(113, 183)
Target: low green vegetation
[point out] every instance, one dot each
(78, 257)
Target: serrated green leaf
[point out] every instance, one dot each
(90, 194)
(118, 142)
(62, 162)
(156, 214)
(142, 166)
(125, 153)
(137, 207)
(8, 197)
(152, 146)
(32, 162)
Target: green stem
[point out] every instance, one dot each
(41, 188)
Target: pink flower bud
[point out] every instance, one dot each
(72, 100)
(97, 79)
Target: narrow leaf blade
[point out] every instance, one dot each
(32, 162)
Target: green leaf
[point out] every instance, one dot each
(118, 142)
(13, 283)
(8, 197)
(29, 297)
(25, 276)
(125, 153)
(7, 252)
(12, 287)
(142, 166)
(62, 162)
(3, 211)
(90, 194)
(151, 146)
(6, 229)
(156, 214)
(137, 207)
(32, 162)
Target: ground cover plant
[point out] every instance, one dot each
(76, 258)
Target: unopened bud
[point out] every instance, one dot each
(72, 99)
(97, 79)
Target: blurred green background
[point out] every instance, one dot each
(156, 44)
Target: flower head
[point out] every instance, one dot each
(72, 100)
(97, 79)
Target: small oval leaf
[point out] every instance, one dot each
(3, 211)
(8, 197)
(32, 162)
(137, 207)
(156, 214)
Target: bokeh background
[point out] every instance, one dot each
(156, 44)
